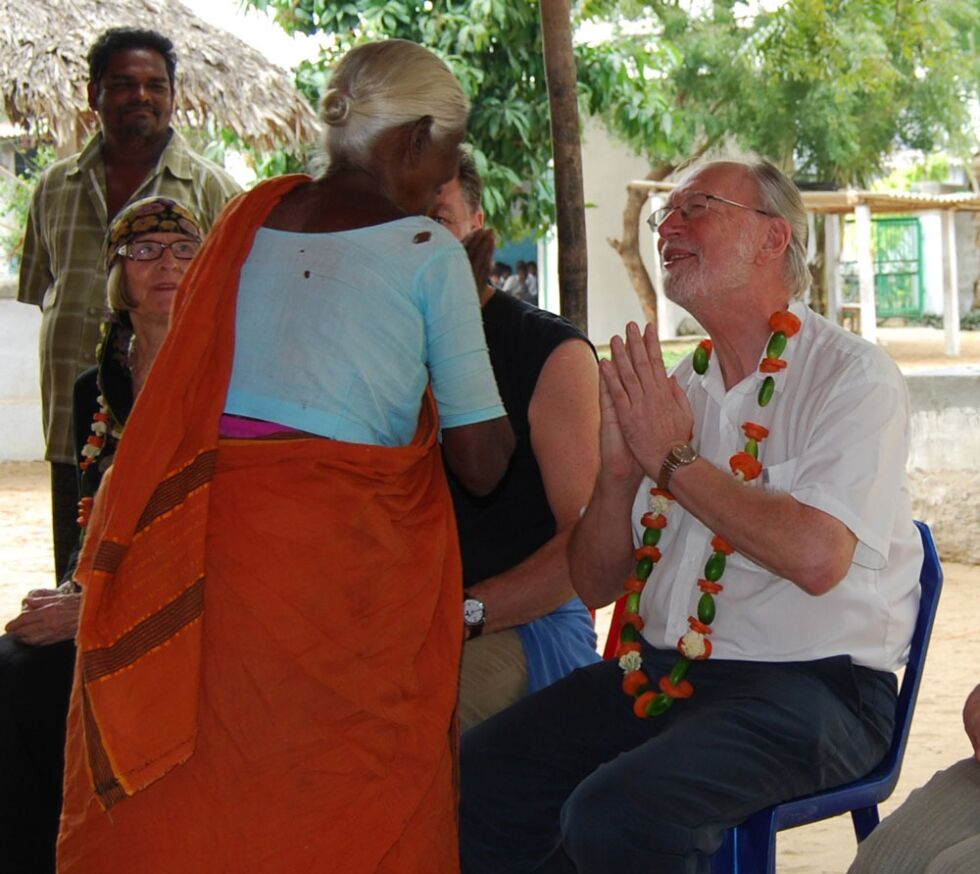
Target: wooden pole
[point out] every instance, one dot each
(559, 63)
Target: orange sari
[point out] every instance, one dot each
(270, 635)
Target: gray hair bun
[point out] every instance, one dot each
(335, 108)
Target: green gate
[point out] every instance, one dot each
(898, 267)
(897, 243)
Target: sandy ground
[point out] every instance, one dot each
(952, 669)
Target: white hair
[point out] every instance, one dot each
(381, 85)
(781, 197)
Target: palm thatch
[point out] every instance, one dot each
(44, 72)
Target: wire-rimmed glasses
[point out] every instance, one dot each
(693, 206)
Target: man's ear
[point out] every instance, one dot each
(478, 218)
(776, 241)
(420, 136)
(93, 96)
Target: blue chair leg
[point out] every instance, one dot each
(865, 820)
(757, 844)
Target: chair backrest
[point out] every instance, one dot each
(931, 584)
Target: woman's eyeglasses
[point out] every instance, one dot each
(693, 206)
(151, 250)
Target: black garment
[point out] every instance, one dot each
(500, 530)
(64, 509)
(35, 685)
(35, 681)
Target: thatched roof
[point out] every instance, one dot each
(43, 71)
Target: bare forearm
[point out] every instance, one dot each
(528, 591)
(601, 545)
(799, 543)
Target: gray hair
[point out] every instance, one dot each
(781, 197)
(381, 85)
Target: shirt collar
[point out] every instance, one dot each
(175, 157)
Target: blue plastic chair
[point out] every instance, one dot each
(750, 848)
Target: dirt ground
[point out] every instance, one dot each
(937, 737)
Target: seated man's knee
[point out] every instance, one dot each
(605, 826)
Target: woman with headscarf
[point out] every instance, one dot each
(149, 247)
(272, 620)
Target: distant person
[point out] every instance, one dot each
(531, 282)
(500, 274)
(514, 283)
(37, 654)
(524, 626)
(270, 634)
(136, 153)
(937, 828)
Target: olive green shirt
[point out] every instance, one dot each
(63, 269)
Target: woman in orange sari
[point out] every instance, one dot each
(271, 623)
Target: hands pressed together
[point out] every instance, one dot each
(47, 616)
(644, 412)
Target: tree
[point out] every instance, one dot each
(826, 89)
(494, 48)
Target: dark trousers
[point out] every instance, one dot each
(35, 685)
(64, 513)
(571, 780)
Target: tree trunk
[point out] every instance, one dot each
(560, 71)
(628, 247)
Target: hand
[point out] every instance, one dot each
(479, 247)
(48, 616)
(652, 411)
(616, 458)
(971, 720)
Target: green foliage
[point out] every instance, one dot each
(494, 48)
(15, 194)
(824, 88)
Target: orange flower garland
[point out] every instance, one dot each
(695, 645)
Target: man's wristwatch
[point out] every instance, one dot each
(474, 615)
(680, 454)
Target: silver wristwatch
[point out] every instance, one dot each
(680, 454)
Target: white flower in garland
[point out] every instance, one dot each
(692, 644)
(630, 661)
(659, 505)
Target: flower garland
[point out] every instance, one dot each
(695, 644)
(94, 445)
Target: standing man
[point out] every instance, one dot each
(772, 570)
(524, 627)
(136, 154)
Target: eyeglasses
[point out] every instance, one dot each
(151, 250)
(694, 206)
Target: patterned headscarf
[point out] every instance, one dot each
(151, 214)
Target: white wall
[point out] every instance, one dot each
(607, 168)
(21, 438)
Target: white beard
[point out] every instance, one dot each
(693, 282)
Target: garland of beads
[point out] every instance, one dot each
(695, 644)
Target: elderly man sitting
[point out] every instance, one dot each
(753, 505)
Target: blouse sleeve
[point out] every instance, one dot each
(456, 348)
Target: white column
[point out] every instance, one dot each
(951, 297)
(866, 272)
(831, 245)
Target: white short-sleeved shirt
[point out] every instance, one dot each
(838, 441)
(337, 334)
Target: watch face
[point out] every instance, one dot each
(684, 454)
(473, 611)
